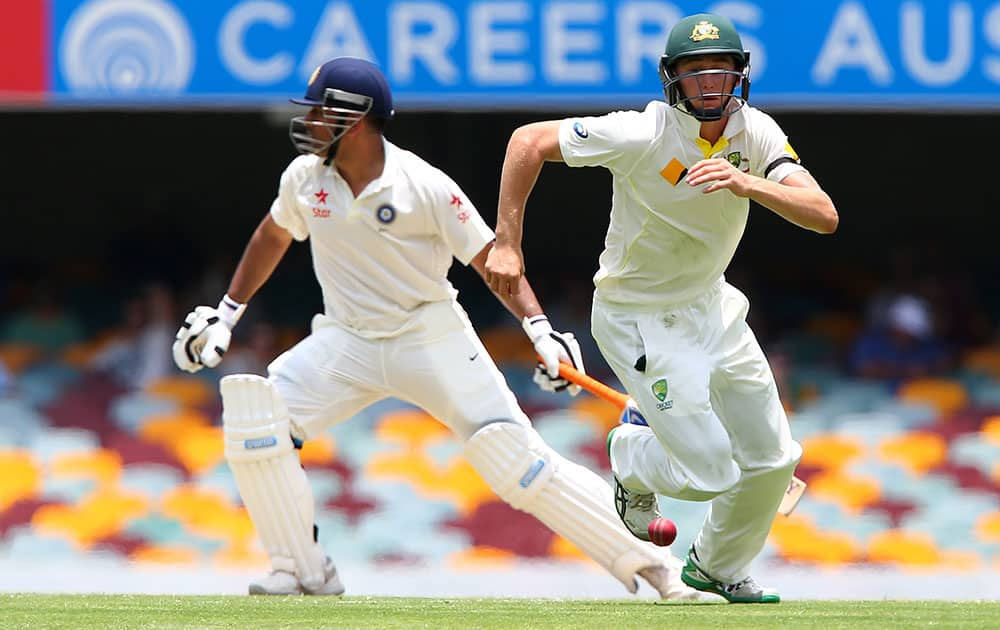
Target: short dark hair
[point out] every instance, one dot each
(378, 122)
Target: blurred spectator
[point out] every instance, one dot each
(44, 324)
(905, 346)
(140, 350)
(252, 354)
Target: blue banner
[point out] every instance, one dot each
(495, 54)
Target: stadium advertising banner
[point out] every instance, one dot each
(492, 54)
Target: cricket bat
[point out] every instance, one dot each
(796, 487)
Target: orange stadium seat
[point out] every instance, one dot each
(480, 557)
(186, 391)
(17, 356)
(207, 513)
(161, 554)
(988, 528)
(508, 344)
(103, 466)
(102, 514)
(897, 546)
(852, 493)
(918, 451)
(601, 413)
(945, 395)
(985, 360)
(991, 429)
(22, 477)
(797, 539)
(829, 451)
(319, 450)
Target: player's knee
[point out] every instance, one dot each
(255, 421)
(513, 460)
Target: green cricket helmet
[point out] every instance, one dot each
(698, 35)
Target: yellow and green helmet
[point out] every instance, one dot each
(698, 35)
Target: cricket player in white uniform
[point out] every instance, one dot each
(664, 317)
(383, 227)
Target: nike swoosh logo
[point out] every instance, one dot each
(473, 357)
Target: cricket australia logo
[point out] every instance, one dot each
(704, 30)
(660, 390)
(735, 158)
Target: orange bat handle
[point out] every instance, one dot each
(593, 385)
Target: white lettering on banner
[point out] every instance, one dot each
(486, 40)
(912, 39)
(635, 44)
(991, 27)
(852, 42)
(559, 41)
(746, 15)
(406, 45)
(234, 53)
(337, 34)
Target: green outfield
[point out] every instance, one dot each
(149, 611)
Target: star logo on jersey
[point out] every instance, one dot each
(704, 30)
(322, 195)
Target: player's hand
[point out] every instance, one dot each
(504, 268)
(202, 340)
(553, 347)
(720, 174)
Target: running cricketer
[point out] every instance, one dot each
(670, 326)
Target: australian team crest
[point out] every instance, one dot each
(660, 390)
(735, 158)
(704, 30)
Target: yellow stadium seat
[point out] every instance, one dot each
(988, 527)
(852, 493)
(200, 450)
(100, 515)
(164, 429)
(21, 475)
(103, 466)
(562, 549)
(457, 482)
(900, 547)
(828, 451)
(241, 554)
(186, 391)
(918, 451)
(946, 396)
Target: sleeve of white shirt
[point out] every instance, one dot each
(775, 157)
(464, 231)
(285, 209)
(615, 141)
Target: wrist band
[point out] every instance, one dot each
(230, 311)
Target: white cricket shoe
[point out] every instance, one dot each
(636, 510)
(284, 583)
(666, 579)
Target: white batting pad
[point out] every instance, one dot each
(569, 499)
(270, 479)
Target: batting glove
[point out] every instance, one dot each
(204, 337)
(552, 347)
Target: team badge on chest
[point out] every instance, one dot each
(385, 214)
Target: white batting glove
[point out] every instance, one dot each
(204, 337)
(553, 347)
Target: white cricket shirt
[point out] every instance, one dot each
(381, 255)
(667, 242)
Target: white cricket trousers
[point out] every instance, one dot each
(438, 363)
(717, 431)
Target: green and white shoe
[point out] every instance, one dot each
(745, 591)
(635, 510)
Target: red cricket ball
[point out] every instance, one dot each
(662, 531)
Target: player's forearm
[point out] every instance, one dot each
(809, 208)
(265, 250)
(526, 153)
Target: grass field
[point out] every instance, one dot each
(149, 611)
